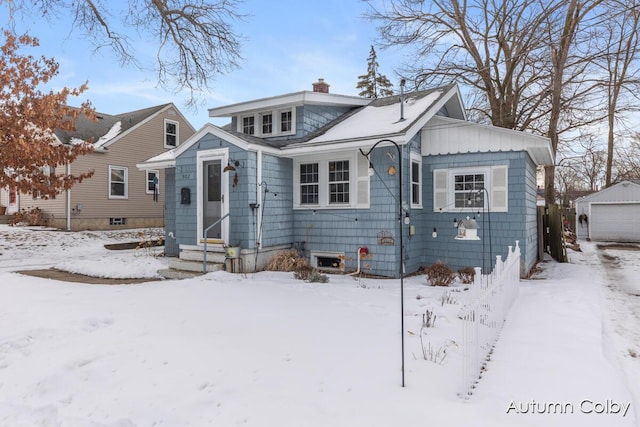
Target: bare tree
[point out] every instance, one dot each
(620, 65)
(526, 60)
(195, 38)
(626, 165)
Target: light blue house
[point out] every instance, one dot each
(292, 171)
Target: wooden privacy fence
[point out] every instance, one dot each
(482, 318)
(552, 231)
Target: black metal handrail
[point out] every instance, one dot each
(204, 237)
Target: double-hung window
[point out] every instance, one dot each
(153, 182)
(416, 180)
(118, 182)
(331, 181)
(267, 124)
(170, 133)
(309, 184)
(248, 125)
(285, 121)
(339, 182)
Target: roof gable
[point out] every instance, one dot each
(622, 191)
(107, 128)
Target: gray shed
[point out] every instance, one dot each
(612, 214)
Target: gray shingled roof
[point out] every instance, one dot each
(87, 129)
(379, 102)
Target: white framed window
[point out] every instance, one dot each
(309, 183)
(153, 182)
(118, 182)
(468, 190)
(286, 121)
(471, 189)
(171, 128)
(416, 180)
(267, 123)
(248, 125)
(339, 182)
(334, 180)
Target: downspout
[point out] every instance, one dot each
(68, 207)
(258, 199)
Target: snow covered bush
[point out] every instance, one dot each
(466, 275)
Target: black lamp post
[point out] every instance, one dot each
(400, 220)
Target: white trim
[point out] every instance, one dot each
(415, 158)
(287, 100)
(203, 156)
(165, 133)
(323, 181)
(276, 122)
(445, 187)
(126, 183)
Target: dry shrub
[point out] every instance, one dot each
(35, 216)
(310, 275)
(439, 274)
(289, 260)
(466, 275)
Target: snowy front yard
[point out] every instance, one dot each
(269, 350)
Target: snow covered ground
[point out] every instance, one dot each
(269, 350)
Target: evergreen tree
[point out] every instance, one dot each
(373, 84)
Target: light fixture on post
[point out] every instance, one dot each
(401, 222)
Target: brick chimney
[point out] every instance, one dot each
(321, 86)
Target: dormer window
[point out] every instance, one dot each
(268, 123)
(248, 125)
(170, 133)
(285, 121)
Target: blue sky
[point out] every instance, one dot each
(288, 45)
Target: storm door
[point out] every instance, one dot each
(213, 198)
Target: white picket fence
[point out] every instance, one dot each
(482, 318)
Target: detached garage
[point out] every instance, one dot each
(610, 215)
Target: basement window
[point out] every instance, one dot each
(328, 260)
(117, 221)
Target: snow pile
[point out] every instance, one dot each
(268, 350)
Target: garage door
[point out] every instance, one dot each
(615, 222)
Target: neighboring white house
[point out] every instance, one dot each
(612, 214)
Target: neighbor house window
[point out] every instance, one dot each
(309, 180)
(170, 133)
(248, 125)
(468, 190)
(153, 182)
(416, 181)
(267, 123)
(285, 121)
(339, 182)
(118, 182)
(49, 173)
